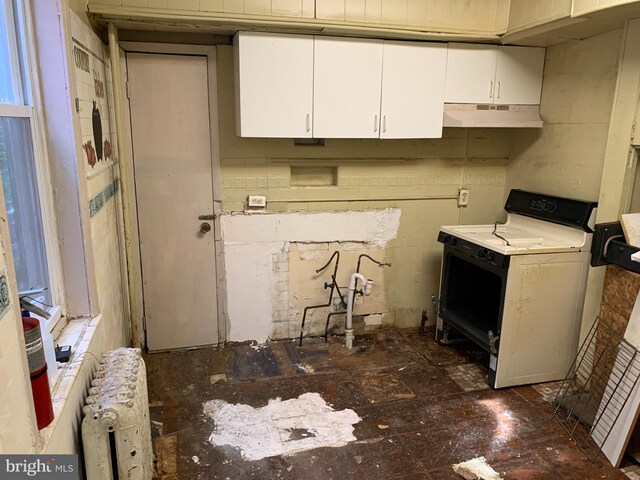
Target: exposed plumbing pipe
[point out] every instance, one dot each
(333, 286)
(367, 285)
(364, 255)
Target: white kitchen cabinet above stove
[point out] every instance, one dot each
(491, 74)
(303, 86)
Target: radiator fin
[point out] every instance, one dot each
(116, 432)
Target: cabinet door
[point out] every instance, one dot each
(346, 89)
(519, 75)
(413, 78)
(274, 85)
(471, 71)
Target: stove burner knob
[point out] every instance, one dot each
(453, 241)
(446, 239)
(482, 253)
(491, 256)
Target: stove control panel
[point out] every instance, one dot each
(476, 251)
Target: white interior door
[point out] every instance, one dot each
(347, 80)
(169, 104)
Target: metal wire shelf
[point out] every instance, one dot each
(597, 387)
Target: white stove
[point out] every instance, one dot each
(517, 289)
(522, 235)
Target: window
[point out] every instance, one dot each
(24, 169)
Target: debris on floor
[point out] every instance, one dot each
(218, 377)
(408, 437)
(476, 469)
(166, 454)
(280, 427)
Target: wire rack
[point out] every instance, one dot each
(597, 388)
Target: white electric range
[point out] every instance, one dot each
(517, 289)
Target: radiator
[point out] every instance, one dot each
(116, 433)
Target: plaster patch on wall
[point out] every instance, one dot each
(374, 226)
(280, 427)
(257, 265)
(250, 285)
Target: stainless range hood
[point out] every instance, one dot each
(501, 116)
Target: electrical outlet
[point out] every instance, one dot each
(463, 197)
(256, 201)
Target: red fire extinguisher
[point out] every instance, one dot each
(38, 371)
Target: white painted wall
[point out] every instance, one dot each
(253, 241)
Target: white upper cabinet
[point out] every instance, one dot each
(274, 85)
(519, 75)
(494, 74)
(471, 71)
(346, 88)
(413, 82)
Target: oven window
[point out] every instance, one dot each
(473, 295)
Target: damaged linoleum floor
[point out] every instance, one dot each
(423, 407)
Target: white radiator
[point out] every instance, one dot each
(116, 433)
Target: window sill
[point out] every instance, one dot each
(77, 333)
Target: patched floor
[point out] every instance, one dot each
(422, 407)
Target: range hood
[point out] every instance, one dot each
(502, 116)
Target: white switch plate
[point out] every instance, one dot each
(463, 197)
(256, 201)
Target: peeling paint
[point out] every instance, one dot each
(280, 427)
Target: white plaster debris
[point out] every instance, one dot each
(280, 427)
(304, 367)
(218, 377)
(476, 469)
(195, 459)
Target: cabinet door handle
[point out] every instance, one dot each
(491, 89)
(375, 122)
(384, 124)
(499, 84)
(308, 122)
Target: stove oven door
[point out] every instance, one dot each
(472, 293)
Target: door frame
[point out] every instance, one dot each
(208, 51)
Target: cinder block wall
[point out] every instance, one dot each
(566, 157)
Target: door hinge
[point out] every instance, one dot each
(127, 87)
(77, 105)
